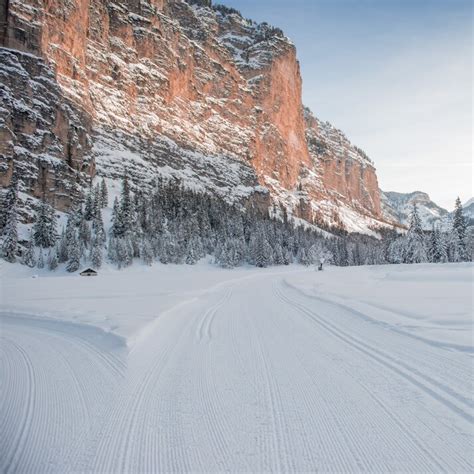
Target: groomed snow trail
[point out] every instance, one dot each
(254, 375)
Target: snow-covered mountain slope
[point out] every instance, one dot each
(398, 207)
(199, 77)
(468, 209)
(205, 370)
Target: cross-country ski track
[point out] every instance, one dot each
(256, 374)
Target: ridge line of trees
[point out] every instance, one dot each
(173, 224)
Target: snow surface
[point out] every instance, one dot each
(179, 369)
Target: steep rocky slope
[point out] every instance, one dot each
(399, 206)
(175, 87)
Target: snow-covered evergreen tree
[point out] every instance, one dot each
(74, 252)
(9, 200)
(191, 257)
(396, 250)
(278, 255)
(443, 247)
(53, 259)
(96, 253)
(85, 235)
(126, 207)
(28, 257)
(62, 248)
(40, 261)
(89, 206)
(10, 235)
(98, 228)
(9, 219)
(415, 248)
(104, 194)
(287, 256)
(44, 228)
(459, 233)
(262, 251)
(117, 226)
(434, 247)
(147, 252)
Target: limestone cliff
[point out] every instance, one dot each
(196, 77)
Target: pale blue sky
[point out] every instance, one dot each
(395, 76)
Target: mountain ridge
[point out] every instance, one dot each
(202, 79)
(398, 206)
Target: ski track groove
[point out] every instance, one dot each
(8, 397)
(133, 399)
(457, 371)
(62, 387)
(219, 431)
(280, 444)
(388, 362)
(418, 385)
(295, 416)
(15, 456)
(205, 324)
(350, 434)
(397, 422)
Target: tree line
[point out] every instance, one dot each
(173, 224)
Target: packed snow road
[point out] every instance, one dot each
(260, 372)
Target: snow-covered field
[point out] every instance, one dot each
(178, 368)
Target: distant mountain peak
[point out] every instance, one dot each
(398, 207)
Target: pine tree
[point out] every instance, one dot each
(433, 246)
(459, 233)
(44, 228)
(147, 252)
(84, 233)
(278, 255)
(98, 228)
(396, 251)
(62, 248)
(303, 257)
(28, 257)
(443, 247)
(96, 205)
(191, 257)
(10, 221)
(112, 249)
(74, 253)
(96, 253)
(104, 194)
(117, 227)
(126, 207)
(262, 251)
(40, 262)
(121, 253)
(51, 226)
(10, 235)
(9, 201)
(89, 207)
(415, 250)
(3, 211)
(53, 259)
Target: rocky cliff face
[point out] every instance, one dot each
(181, 75)
(41, 133)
